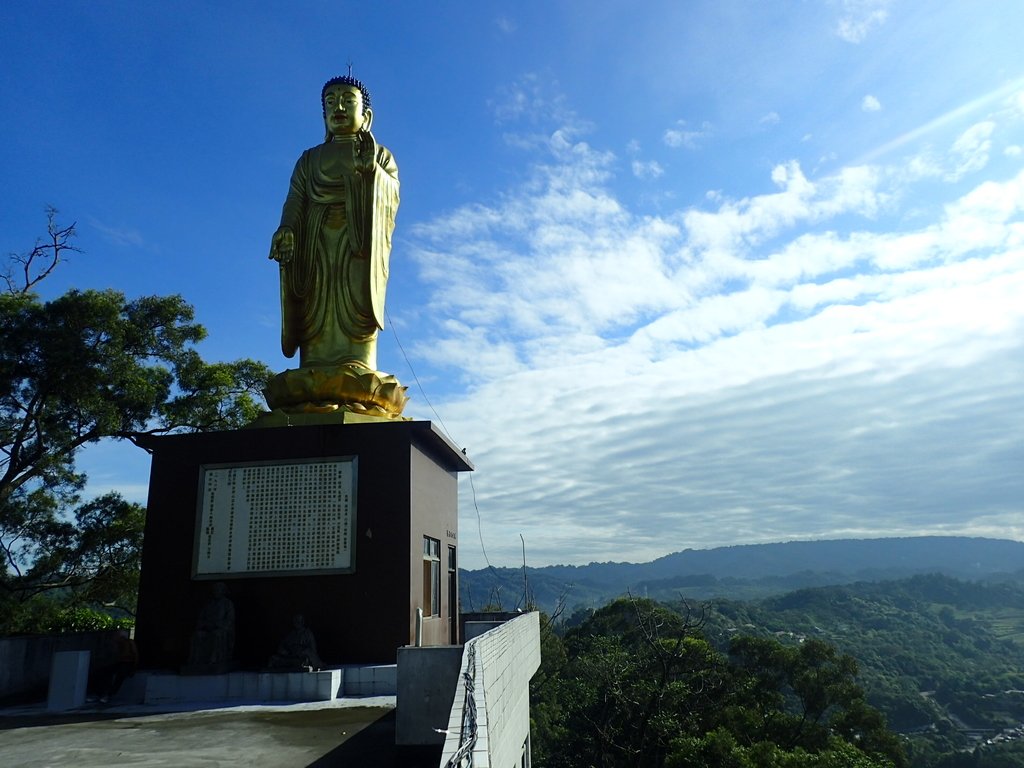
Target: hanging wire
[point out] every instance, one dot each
(416, 378)
(479, 524)
(419, 386)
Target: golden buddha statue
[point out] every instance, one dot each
(333, 247)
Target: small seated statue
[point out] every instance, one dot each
(298, 649)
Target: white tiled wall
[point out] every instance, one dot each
(506, 658)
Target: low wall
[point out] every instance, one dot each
(25, 660)
(497, 617)
(427, 679)
(503, 661)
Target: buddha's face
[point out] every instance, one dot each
(343, 110)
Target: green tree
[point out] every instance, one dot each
(802, 697)
(634, 675)
(640, 686)
(80, 368)
(94, 557)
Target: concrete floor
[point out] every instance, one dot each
(343, 732)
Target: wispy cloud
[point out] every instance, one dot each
(506, 25)
(681, 136)
(791, 364)
(859, 17)
(1009, 97)
(533, 100)
(971, 150)
(647, 169)
(118, 235)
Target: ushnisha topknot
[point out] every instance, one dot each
(345, 80)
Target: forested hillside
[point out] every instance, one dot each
(942, 659)
(638, 685)
(743, 572)
(965, 556)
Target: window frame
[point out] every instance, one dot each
(431, 576)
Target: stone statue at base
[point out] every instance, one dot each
(334, 247)
(298, 649)
(213, 641)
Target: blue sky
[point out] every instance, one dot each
(676, 274)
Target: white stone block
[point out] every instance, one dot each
(69, 678)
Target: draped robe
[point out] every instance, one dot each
(332, 290)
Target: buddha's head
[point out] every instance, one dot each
(346, 107)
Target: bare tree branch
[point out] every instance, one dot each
(37, 264)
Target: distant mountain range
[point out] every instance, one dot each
(744, 572)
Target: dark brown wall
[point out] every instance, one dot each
(358, 617)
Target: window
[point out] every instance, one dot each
(453, 597)
(431, 577)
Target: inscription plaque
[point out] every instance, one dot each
(275, 518)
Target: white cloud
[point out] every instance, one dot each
(809, 361)
(921, 166)
(772, 118)
(870, 104)
(681, 137)
(535, 101)
(971, 149)
(752, 221)
(650, 169)
(1015, 102)
(859, 17)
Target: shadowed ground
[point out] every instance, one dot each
(341, 733)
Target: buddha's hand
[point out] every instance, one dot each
(364, 152)
(282, 246)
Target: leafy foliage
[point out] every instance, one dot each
(940, 657)
(95, 559)
(639, 685)
(84, 367)
(52, 619)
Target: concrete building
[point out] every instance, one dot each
(353, 528)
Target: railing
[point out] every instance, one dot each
(463, 757)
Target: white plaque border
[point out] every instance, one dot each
(221, 576)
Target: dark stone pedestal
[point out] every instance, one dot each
(406, 488)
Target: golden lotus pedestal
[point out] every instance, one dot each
(332, 395)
